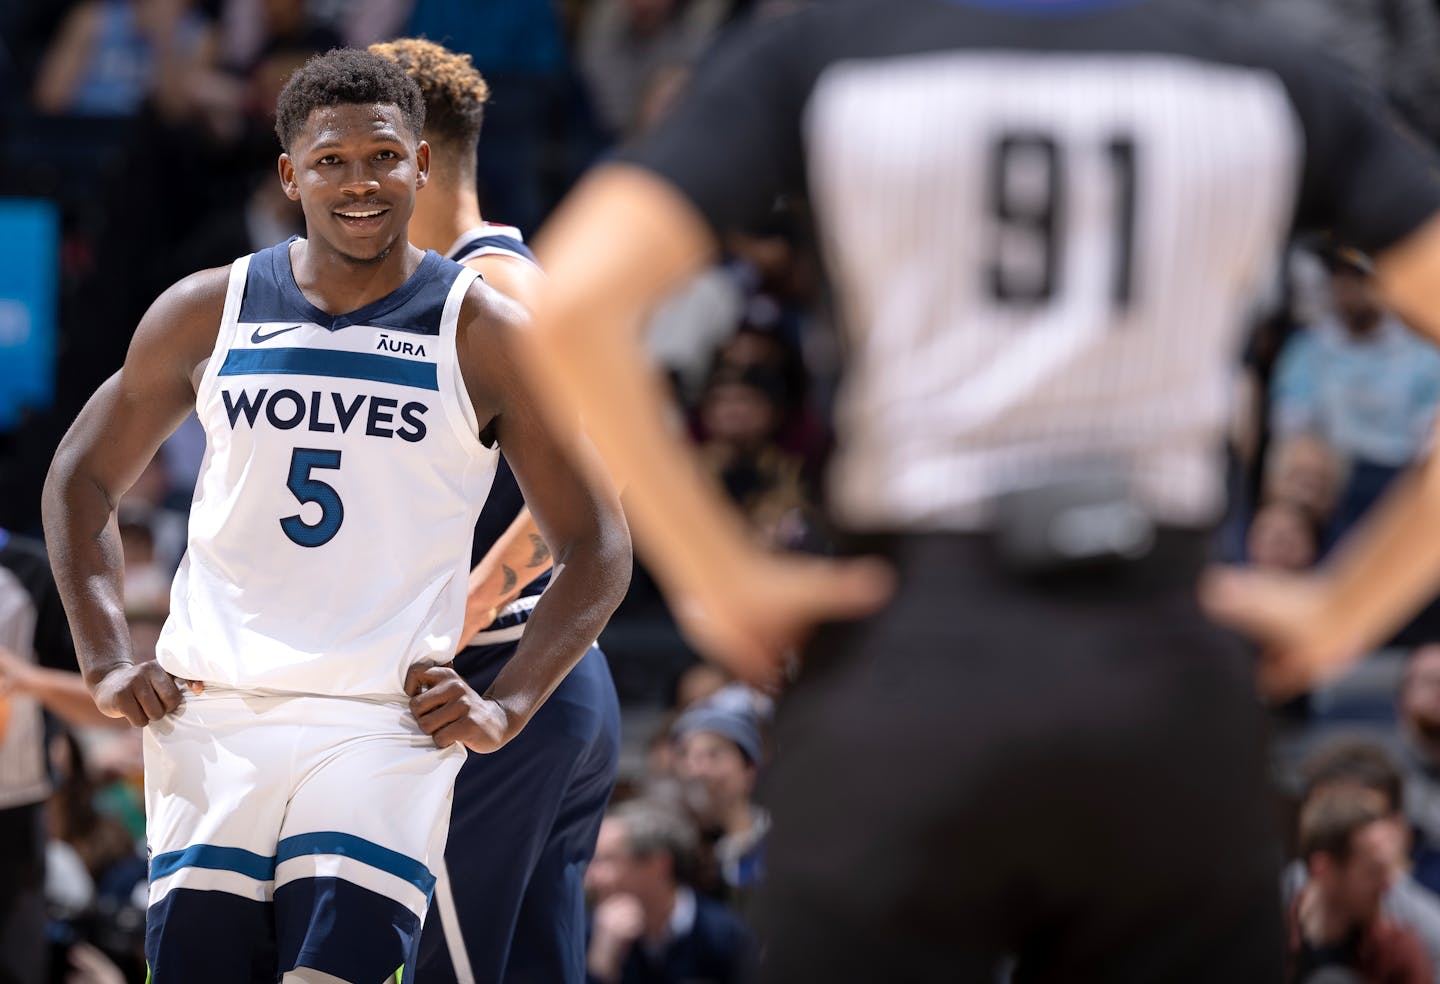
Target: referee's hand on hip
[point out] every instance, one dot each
(1291, 616)
(753, 618)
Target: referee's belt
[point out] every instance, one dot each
(509, 624)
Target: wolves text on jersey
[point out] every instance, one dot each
(286, 409)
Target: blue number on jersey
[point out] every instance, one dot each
(307, 489)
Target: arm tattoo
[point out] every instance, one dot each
(510, 579)
(541, 556)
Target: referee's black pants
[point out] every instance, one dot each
(1070, 774)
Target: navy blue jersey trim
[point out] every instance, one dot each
(362, 850)
(322, 362)
(216, 858)
(272, 295)
(501, 242)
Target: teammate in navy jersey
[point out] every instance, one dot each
(1044, 221)
(353, 390)
(509, 905)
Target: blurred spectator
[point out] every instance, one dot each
(740, 417)
(1336, 920)
(699, 683)
(648, 925)
(1419, 706)
(1282, 537)
(147, 579)
(98, 868)
(760, 343)
(659, 781)
(1303, 471)
(157, 507)
(252, 26)
(262, 218)
(33, 630)
(624, 44)
(719, 751)
(258, 44)
(1361, 764)
(685, 332)
(539, 130)
(110, 55)
(1362, 382)
(201, 146)
(696, 684)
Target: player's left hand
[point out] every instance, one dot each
(1291, 616)
(450, 711)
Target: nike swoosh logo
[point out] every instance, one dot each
(257, 338)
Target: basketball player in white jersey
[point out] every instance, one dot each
(354, 391)
(509, 902)
(1044, 221)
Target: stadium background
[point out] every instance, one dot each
(136, 147)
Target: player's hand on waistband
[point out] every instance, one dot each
(138, 692)
(1290, 616)
(752, 619)
(450, 711)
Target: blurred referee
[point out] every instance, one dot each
(1044, 220)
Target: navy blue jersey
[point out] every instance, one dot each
(505, 501)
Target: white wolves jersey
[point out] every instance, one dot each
(1046, 221)
(343, 474)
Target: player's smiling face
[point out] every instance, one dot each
(355, 170)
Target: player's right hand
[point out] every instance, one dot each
(138, 692)
(450, 711)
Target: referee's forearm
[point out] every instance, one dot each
(1390, 565)
(65, 694)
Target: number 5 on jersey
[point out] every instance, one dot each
(307, 489)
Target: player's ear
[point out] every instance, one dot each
(287, 178)
(422, 164)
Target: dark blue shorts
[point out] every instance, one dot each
(522, 830)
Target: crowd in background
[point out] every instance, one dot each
(148, 124)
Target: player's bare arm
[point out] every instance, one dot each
(1318, 624)
(520, 280)
(109, 445)
(517, 558)
(521, 554)
(579, 516)
(622, 242)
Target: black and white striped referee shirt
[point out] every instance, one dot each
(1044, 221)
(33, 627)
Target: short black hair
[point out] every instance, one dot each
(342, 77)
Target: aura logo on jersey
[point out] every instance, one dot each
(387, 344)
(326, 413)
